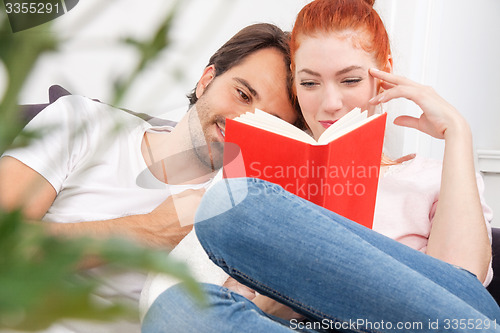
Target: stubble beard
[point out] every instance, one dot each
(207, 150)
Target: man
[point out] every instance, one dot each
(101, 171)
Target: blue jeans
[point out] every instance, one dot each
(340, 275)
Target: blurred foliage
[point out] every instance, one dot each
(18, 53)
(39, 279)
(149, 50)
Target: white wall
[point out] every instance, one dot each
(93, 57)
(453, 46)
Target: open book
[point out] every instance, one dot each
(339, 171)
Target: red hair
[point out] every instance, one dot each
(327, 16)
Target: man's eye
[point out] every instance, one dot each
(243, 96)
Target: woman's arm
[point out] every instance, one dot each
(458, 234)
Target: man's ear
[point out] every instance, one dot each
(206, 78)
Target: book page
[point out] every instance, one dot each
(268, 122)
(344, 130)
(354, 119)
(355, 115)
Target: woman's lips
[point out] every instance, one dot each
(327, 123)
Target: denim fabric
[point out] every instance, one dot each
(329, 269)
(177, 311)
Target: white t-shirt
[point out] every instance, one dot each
(91, 154)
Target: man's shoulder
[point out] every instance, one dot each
(74, 105)
(84, 108)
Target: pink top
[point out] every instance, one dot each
(406, 203)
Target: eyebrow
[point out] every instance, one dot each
(248, 86)
(340, 72)
(348, 69)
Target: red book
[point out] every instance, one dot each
(339, 172)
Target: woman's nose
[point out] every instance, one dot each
(332, 100)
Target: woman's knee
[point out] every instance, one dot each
(222, 197)
(245, 194)
(231, 206)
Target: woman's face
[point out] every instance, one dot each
(331, 79)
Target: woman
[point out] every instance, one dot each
(331, 271)
(327, 90)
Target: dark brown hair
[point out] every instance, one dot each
(247, 41)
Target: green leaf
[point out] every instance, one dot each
(39, 283)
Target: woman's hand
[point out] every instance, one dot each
(266, 304)
(239, 288)
(438, 115)
(458, 218)
(275, 308)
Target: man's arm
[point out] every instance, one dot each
(24, 188)
(158, 229)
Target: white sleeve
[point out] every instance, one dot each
(488, 217)
(60, 134)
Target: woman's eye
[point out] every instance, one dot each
(307, 84)
(352, 81)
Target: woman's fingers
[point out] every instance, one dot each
(419, 94)
(407, 121)
(392, 93)
(395, 87)
(422, 124)
(389, 77)
(438, 115)
(386, 85)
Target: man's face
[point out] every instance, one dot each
(259, 81)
